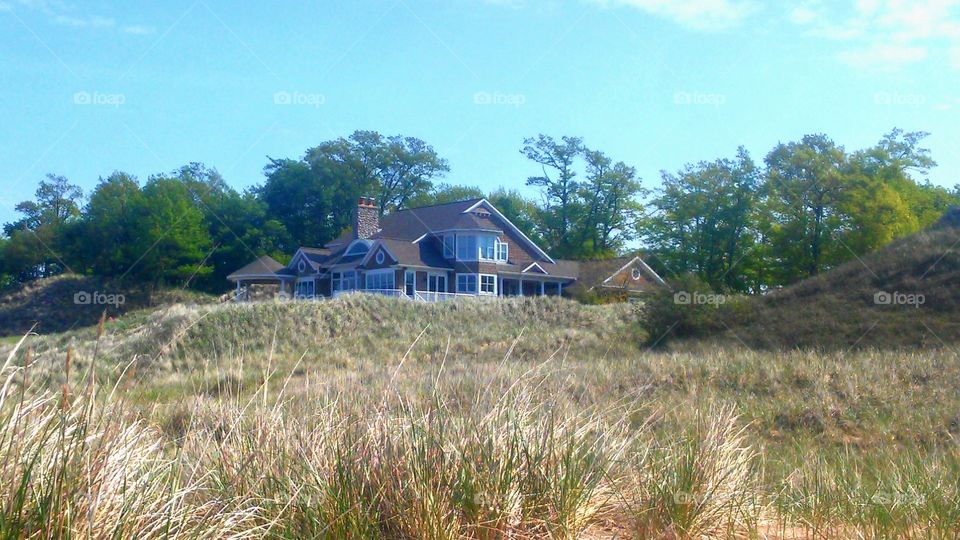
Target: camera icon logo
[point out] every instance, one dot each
(882, 298)
(82, 298)
(682, 298)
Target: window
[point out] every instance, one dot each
(410, 282)
(466, 248)
(449, 241)
(488, 247)
(503, 251)
(358, 248)
(344, 281)
(467, 283)
(305, 288)
(381, 280)
(488, 284)
(437, 283)
(380, 257)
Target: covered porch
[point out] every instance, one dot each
(258, 280)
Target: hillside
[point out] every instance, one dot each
(438, 402)
(907, 294)
(69, 301)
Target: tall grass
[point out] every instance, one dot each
(72, 468)
(443, 441)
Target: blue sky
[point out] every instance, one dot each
(92, 87)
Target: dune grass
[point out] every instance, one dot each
(536, 418)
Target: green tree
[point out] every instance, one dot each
(237, 224)
(37, 244)
(171, 235)
(445, 193)
(610, 207)
(521, 211)
(559, 187)
(807, 183)
(703, 222)
(108, 233)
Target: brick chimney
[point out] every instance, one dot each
(366, 218)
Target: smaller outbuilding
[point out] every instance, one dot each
(617, 279)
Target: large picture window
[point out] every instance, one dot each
(467, 283)
(344, 281)
(381, 281)
(466, 248)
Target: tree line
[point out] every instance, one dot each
(739, 225)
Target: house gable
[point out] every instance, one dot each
(379, 256)
(301, 264)
(635, 276)
(511, 231)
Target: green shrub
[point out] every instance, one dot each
(689, 308)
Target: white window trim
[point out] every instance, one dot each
(506, 251)
(476, 278)
(446, 284)
(296, 287)
(476, 250)
(336, 278)
(380, 257)
(493, 210)
(480, 285)
(407, 273)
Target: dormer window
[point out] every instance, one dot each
(360, 247)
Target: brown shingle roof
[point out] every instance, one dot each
(263, 265)
(413, 223)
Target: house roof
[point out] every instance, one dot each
(419, 254)
(262, 266)
(604, 273)
(413, 223)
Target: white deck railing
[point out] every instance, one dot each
(436, 296)
(393, 293)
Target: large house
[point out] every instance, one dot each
(430, 253)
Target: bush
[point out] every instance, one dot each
(688, 308)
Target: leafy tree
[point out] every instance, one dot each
(609, 202)
(805, 190)
(237, 224)
(703, 221)
(109, 230)
(171, 235)
(521, 211)
(57, 201)
(402, 167)
(559, 187)
(37, 246)
(445, 193)
(313, 198)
